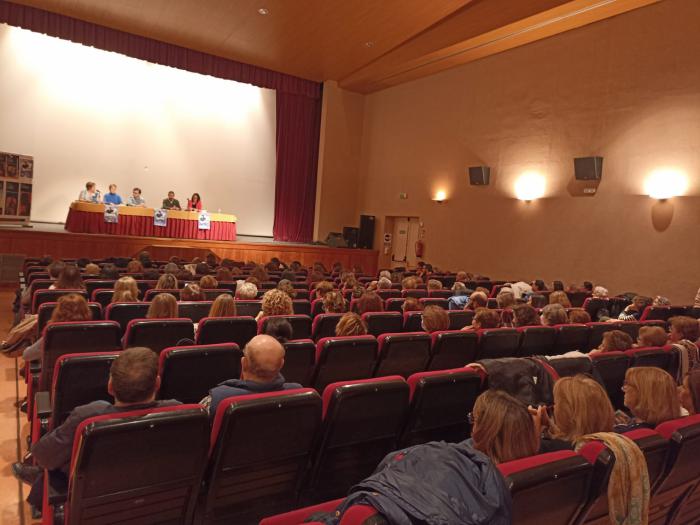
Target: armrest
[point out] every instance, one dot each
(57, 487)
(42, 405)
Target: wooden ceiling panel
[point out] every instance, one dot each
(326, 39)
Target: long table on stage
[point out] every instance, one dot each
(86, 217)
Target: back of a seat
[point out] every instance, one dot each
(299, 361)
(412, 321)
(150, 294)
(631, 328)
(548, 488)
(269, 435)
(51, 296)
(498, 342)
(537, 340)
(46, 310)
(301, 325)
(75, 337)
(194, 310)
(344, 359)
(659, 357)
(389, 294)
(211, 294)
(144, 466)
(603, 461)
(214, 330)
(443, 294)
(571, 366)
(656, 313)
(416, 292)
(187, 373)
(316, 307)
(452, 349)
(611, 367)
(593, 305)
(655, 449)
(361, 424)
(157, 334)
(402, 354)
(324, 326)
(383, 322)
(577, 298)
(94, 284)
(122, 313)
(103, 296)
(248, 307)
(434, 301)
(79, 379)
(460, 318)
(571, 337)
(301, 307)
(393, 304)
(597, 331)
(438, 403)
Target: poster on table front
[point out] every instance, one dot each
(11, 198)
(2, 195)
(111, 213)
(12, 166)
(25, 199)
(203, 220)
(3, 160)
(26, 167)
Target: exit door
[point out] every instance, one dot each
(406, 230)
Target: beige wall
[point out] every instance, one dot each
(627, 89)
(339, 156)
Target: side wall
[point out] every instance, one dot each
(627, 89)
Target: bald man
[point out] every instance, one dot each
(263, 358)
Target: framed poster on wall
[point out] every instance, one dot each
(16, 183)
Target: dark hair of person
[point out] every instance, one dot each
(279, 328)
(133, 374)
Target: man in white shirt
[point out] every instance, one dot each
(136, 199)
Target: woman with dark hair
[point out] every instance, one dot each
(194, 202)
(69, 279)
(369, 302)
(689, 392)
(279, 328)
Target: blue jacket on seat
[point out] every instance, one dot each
(240, 387)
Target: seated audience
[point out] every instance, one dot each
(167, 281)
(322, 288)
(651, 397)
(109, 272)
(275, 302)
(614, 341)
(684, 338)
(537, 301)
(538, 286)
(560, 298)
(151, 274)
(133, 382)
(246, 290)
(553, 314)
(434, 284)
(192, 292)
(69, 279)
(409, 283)
(351, 324)
(651, 336)
(484, 318)
(92, 270)
(280, 329)
(369, 302)
(477, 300)
(520, 289)
(223, 306)
(506, 300)
(635, 310)
(525, 315)
(557, 286)
(263, 358)
(660, 300)
(125, 290)
(208, 282)
(384, 283)
(134, 266)
(461, 277)
(163, 306)
(71, 307)
(286, 286)
(689, 392)
(334, 303)
(599, 292)
(223, 274)
(412, 304)
(435, 319)
(579, 316)
(496, 418)
(172, 268)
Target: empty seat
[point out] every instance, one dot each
(602, 460)
(549, 488)
(324, 326)
(51, 296)
(299, 361)
(344, 359)
(655, 449)
(383, 322)
(402, 354)
(412, 321)
(570, 366)
(187, 373)
(611, 367)
(536, 340)
(571, 337)
(439, 404)
(239, 330)
(656, 313)
(46, 310)
(394, 304)
(150, 294)
(498, 342)
(460, 318)
(301, 325)
(261, 445)
(122, 313)
(157, 334)
(596, 332)
(94, 284)
(248, 307)
(102, 296)
(301, 307)
(194, 310)
(361, 424)
(108, 481)
(452, 349)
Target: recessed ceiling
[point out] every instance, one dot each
(365, 45)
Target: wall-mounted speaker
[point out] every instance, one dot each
(351, 234)
(588, 168)
(479, 175)
(366, 236)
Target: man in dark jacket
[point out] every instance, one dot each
(263, 358)
(133, 382)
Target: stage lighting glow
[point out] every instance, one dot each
(530, 186)
(666, 183)
(440, 196)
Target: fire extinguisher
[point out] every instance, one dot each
(420, 248)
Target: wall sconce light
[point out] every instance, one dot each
(440, 196)
(530, 186)
(666, 183)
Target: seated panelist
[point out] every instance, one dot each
(194, 203)
(113, 197)
(90, 193)
(171, 203)
(136, 199)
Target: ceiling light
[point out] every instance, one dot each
(440, 196)
(369, 43)
(263, 11)
(666, 183)
(530, 186)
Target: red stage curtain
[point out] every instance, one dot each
(298, 104)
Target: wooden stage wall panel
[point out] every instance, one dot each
(75, 245)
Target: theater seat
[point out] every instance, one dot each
(316, 307)
(443, 294)
(324, 326)
(51, 296)
(248, 307)
(611, 367)
(344, 359)
(498, 342)
(150, 294)
(571, 337)
(434, 301)
(46, 310)
(95, 284)
(394, 304)
(355, 515)
(361, 424)
(417, 293)
(211, 294)
(260, 448)
(382, 322)
(656, 313)
(536, 340)
(631, 328)
(549, 488)
(402, 354)
(439, 404)
(301, 307)
(194, 310)
(299, 361)
(452, 349)
(157, 334)
(122, 313)
(412, 321)
(108, 482)
(301, 325)
(389, 294)
(460, 318)
(595, 512)
(660, 357)
(214, 330)
(187, 373)
(571, 366)
(596, 332)
(655, 449)
(102, 296)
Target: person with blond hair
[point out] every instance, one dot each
(125, 290)
(651, 397)
(275, 302)
(134, 266)
(191, 292)
(246, 290)
(163, 306)
(334, 303)
(434, 284)
(560, 298)
(579, 316)
(525, 315)
(167, 281)
(322, 288)
(351, 324)
(223, 306)
(651, 336)
(553, 314)
(208, 282)
(435, 319)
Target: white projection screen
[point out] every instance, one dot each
(87, 114)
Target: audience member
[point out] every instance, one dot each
(334, 303)
(411, 304)
(520, 289)
(579, 316)
(163, 306)
(134, 266)
(109, 272)
(635, 310)
(557, 286)
(537, 301)
(525, 315)
(125, 290)
(92, 270)
(208, 282)
(384, 283)
(660, 300)
(322, 288)
(538, 286)
(192, 292)
(369, 302)
(69, 279)
(505, 298)
(599, 292)
(651, 397)
(483, 319)
(553, 314)
(477, 300)
(651, 336)
(223, 306)
(614, 341)
(223, 274)
(684, 338)
(167, 281)
(351, 324)
(560, 298)
(689, 392)
(263, 358)
(434, 284)
(285, 286)
(171, 267)
(280, 329)
(435, 319)
(275, 302)
(246, 290)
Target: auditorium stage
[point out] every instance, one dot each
(51, 239)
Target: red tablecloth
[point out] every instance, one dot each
(142, 226)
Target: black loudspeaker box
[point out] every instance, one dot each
(366, 237)
(351, 234)
(479, 175)
(588, 168)
(335, 240)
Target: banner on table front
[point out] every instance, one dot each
(203, 220)
(111, 213)
(160, 217)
